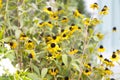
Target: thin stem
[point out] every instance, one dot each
(55, 78)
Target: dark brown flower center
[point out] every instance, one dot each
(52, 45)
(113, 56)
(66, 78)
(11, 43)
(49, 9)
(64, 35)
(86, 70)
(54, 37)
(101, 56)
(101, 46)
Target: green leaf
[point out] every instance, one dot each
(75, 66)
(2, 32)
(44, 72)
(65, 59)
(36, 69)
(17, 34)
(33, 76)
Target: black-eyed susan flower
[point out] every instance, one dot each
(86, 21)
(94, 6)
(95, 21)
(73, 51)
(114, 57)
(72, 29)
(49, 24)
(101, 48)
(76, 13)
(88, 65)
(64, 20)
(64, 36)
(60, 10)
(48, 38)
(57, 55)
(87, 72)
(41, 24)
(107, 71)
(108, 62)
(23, 37)
(13, 44)
(104, 11)
(100, 35)
(53, 72)
(53, 48)
(48, 10)
(114, 29)
(29, 45)
(79, 28)
(54, 16)
(101, 57)
(32, 54)
(118, 51)
(55, 39)
(64, 31)
(50, 57)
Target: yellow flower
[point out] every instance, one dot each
(114, 29)
(95, 21)
(114, 57)
(73, 51)
(76, 13)
(23, 37)
(88, 65)
(64, 20)
(86, 21)
(48, 10)
(54, 16)
(104, 11)
(60, 11)
(55, 39)
(13, 44)
(64, 36)
(0, 3)
(41, 24)
(57, 55)
(53, 72)
(101, 57)
(101, 48)
(49, 24)
(32, 54)
(108, 62)
(50, 57)
(100, 35)
(87, 72)
(118, 51)
(94, 6)
(107, 71)
(73, 28)
(29, 45)
(48, 38)
(53, 48)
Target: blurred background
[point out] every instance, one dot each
(111, 40)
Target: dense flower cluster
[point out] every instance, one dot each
(54, 42)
